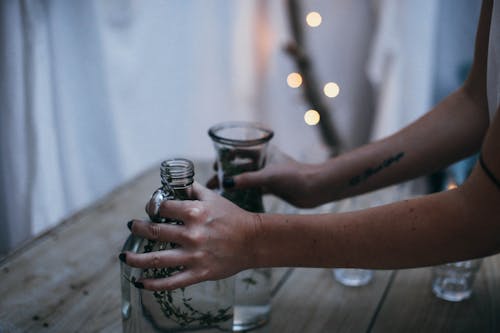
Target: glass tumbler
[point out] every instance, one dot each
(355, 277)
(242, 147)
(453, 281)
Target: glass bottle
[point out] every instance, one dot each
(205, 306)
(241, 147)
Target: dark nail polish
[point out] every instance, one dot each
(138, 285)
(123, 257)
(129, 224)
(228, 182)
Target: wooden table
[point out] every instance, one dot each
(67, 280)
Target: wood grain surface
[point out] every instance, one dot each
(67, 280)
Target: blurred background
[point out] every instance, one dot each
(95, 92)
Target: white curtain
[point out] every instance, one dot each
(96, 91)
(402, 62)
(420, 53)
(59, 148)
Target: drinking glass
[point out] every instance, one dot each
(242, 147)
(354, 277)
(453, 281)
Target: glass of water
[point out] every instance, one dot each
(242, 147)
(453, 281)
(353, 277)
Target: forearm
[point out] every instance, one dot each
(451, 131)
(434, 229)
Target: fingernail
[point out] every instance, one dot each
(138, 285)
(123, 257)
(228, 182)
(129, 224)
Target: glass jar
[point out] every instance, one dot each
(205, 306)
(241, 147)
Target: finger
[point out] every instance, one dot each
(249, 179)
(155, 259)
(159, 231)
(178, 280)
(213, 183)
(202, 193)
(151, 208)
(183, 210)
(153, 205)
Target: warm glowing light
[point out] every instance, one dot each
(311, 117)
(313, 19)
(451, 185)
(294, 80)
(331, 89)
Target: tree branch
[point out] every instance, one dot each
(312, 91)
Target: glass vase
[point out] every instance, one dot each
(242, 147)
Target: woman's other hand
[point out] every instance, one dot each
(283, 176)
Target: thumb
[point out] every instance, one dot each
(200, 192)
(247, 180)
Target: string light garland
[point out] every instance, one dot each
(319, 114)
(294, 80)
(313, 19)
(331, 89)
(312, 117)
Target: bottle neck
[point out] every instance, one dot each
(177, 176)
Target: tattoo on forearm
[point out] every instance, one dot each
(371, 171)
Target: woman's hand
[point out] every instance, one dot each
(214, 241)
(283, 176)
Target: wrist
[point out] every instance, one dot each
(253, 243)
(312, 179)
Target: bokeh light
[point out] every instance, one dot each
(294, 80)
(313, 19)
(311, 117)
(331, 89)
